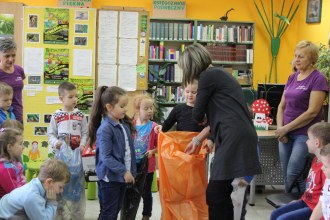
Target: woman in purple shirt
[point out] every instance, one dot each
(300, 107)
(12, 74)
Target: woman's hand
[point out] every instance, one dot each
(281, 132)
(129, 177)
(190, 149)
(149, 153)
(283, 139)
(209, 146)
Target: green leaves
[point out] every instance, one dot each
(323, 62)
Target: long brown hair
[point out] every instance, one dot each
(8, 136)
(104, 95)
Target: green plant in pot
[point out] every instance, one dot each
(274, 29)
(159, 82)
(323, 65)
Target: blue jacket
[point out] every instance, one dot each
(110, 151)
(3, 116)
(32, 198)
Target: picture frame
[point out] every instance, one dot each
(314, 9)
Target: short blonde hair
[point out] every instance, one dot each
(10, 123)
(5, 89)
(321, 130)
(138, 100)
(312, 49)
(193, 61)
(55, 169)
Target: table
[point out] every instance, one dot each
(270, 163)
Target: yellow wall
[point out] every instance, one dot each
(244, 11)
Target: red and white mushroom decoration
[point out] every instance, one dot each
(261, 109)
(261, 106)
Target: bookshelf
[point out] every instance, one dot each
(229, 43)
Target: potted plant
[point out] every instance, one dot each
(323, 65)
(153, 89)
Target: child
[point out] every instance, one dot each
(115, 153)
(10, 123)
(70, 123)
(145, 143)
(182, 116)
(6, 98)
(322, 207)
(37, 199)
(11, 170)
(318, 136)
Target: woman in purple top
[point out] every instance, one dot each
(300, 107)
(12, 74)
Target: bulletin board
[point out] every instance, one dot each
(59, 45)
(123, 42)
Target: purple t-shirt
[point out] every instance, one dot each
(297, 95)
(15, 80)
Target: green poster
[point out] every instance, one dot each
(6, 25)
(56, 26)
(56, 66)
(85, 88)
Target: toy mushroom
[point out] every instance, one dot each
(261, 109)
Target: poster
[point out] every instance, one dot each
(85, 88)
(56, 26)
(6, 25)
(56, 65)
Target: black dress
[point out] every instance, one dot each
(220, 97)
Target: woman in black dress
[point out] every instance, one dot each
(220, 97)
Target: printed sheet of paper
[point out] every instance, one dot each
(82, 62)
(107, 50)
(51, 100)
(33, 87)
(129, 23)
(107, 75)
(33, 61)
(52, 89)
(108, 24)
(127, 78)
(128, 50)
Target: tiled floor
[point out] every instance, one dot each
(260, 211)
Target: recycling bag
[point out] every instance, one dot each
(182, 178)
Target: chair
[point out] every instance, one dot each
(281, 199)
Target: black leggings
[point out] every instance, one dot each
(219, 201)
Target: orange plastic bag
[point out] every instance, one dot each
(182, 178)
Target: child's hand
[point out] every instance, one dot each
(82, 148)
(50, 193)
(242, 183)
(149, 153)
(58, 144)
(158, 129)
(129, 177)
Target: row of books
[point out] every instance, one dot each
(159, 52)
(232, 53)
(171, 31)
(172, 93)
(224, 33)
(173, 73)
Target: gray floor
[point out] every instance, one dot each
(260, 211)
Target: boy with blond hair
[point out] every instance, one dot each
(6, 98)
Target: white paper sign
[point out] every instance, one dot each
(52, 89)
(107, 75)
(33, 61)
(128, 50)
(51, 100)
(108, 24)
(127, 78)
(82, 62)
(129, 23)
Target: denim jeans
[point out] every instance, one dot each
(292, 157)
(294, 210)
(219, 201)
(112, 195)
(147, 196)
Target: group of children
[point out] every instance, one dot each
(121, 145)
(316, 198)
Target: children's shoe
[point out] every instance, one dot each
(145, 217)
